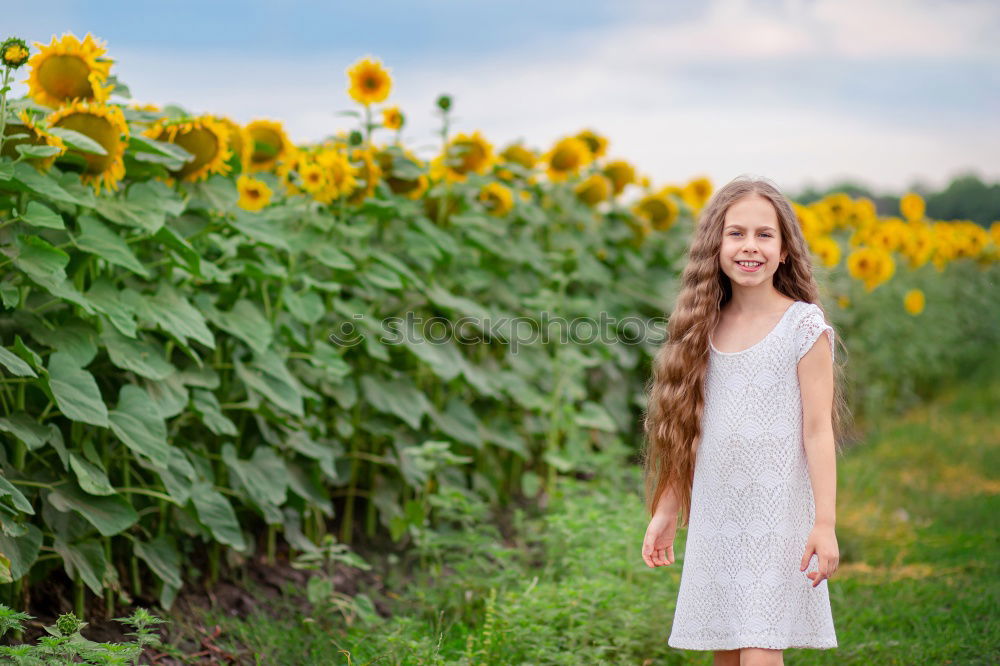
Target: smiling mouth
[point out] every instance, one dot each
(750, 265)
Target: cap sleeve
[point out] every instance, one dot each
(808, 329)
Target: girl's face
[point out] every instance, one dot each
(751, 233)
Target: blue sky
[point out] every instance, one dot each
(888, 92)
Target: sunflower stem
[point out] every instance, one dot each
(3, 105)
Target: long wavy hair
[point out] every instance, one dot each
(672, 419)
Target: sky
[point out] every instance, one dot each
(888, 93)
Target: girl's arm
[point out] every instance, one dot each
(668, 503)
(815, 372)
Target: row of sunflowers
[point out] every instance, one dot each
(70, 84)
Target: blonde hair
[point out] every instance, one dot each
(671, 422)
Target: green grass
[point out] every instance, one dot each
(918, 580)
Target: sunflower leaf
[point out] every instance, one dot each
(37, 151)
(78, 141)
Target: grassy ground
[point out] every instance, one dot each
(918, 581)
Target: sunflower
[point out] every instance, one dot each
(496, 198)
(566, 157)
(68, 69)
(914, 301)
(596, 144)
(204, 137)
(826, 249)
(912, 206)
(402, 183)
(106, 125)
(517, 153)
(594, 189)
(657, 210)
(269, 145)
(239, 141)
(370, 174)
(313, 177)
(465, 154)
(872, 266)
(13, 52)
(339, 175)
(697, 192)
(369, 81)
(393, 118)
(254, 194)
(36, 137)
(620, 173)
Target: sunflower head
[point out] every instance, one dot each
(369, 81)
(68, 69)
(204, 137)
(239, 141)
(105, 124)
(393, 118)
(659, 211)
(496, 198)
(596, 144)
(912, 206)
(518, 153)
(254, 194)
(36, 136)
(13, 52)
(338, 173)
(403, 172)
(620, 173)
(465, 154)
(566, 157)
(269, 145)
(594, 189)
(369, 172)
(914, 301)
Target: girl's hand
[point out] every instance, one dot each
(658, 546)
(823, 542)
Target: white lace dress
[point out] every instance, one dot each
(752, 504)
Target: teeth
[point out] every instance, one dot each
(749, 264)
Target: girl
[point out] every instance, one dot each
(743, 407)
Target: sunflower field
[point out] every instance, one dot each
(194, 342)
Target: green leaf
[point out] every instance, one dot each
(17, 500)
(14, 365)
(92, 479)
(39, 215)
(139, 425)
(260, 229)
(42, 184)
(78, 141)
(174, 314)
(75, 338)
(216, 513)
(97, 239)
(268, 376)
(42, 261)
(141, 356)
(593, 415)
(247, 323)
(207, 406)
(162, 557)
(110, 514)
(22, 550)
(459, 422)
(6, 169)
(217, 193)
(108, 300)
(86, 558)
(332, 257)
(306, 306)
(30, 151)
(10, 294)
(264, 476)
(396, 396)
(75, 390)
(381, 276)
(25, 428)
